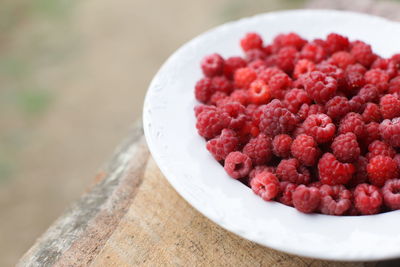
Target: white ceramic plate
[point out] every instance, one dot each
(169, 125)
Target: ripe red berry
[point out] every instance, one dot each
(259, 149)
(336, 42)
(394, 86)
(236, 113)
(320, 127)
(203, 90)
(390, 192)
(279, 84)
(221, 83)
(286, 193)
(223, 144)
(232, 64)
(276, 119)
(390, 106)
(345, 147)
(390, 131)
(243, 77)
(378, 147)
(290, 39)
(313, 52)
(307, 110)
(259, 92)
(362, 52)
(335, 200)
(292, 171)
(380, 169)
(319, 86)
(266, 185)
(237, 165)
(371, 113)
(281, 145)
(251, 41)
(305, 149)
(372, 133)
(367, 199)
(211, 122)
(377, 77)
(212, 65)
(286, 58)
(342, 59)
(337, 107)
(303, 66)
(333, 172)
(306, 199)
(352, 123)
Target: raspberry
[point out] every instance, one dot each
(258, 65)
(381, 168)
(387, 65)
(219, 98)
(320, 127)
(271, 61)
(345, 147)
(221, 83)
(390, 192)
(313, 52)
(276, 119)
(237, 165)
(319, 86)
(286, 189)
(352, 123)
(337, 107)
(354, 76)
(371, 113)
(379, 78)
(308, 110)
(236, 113)
(335, 200)
(295, 98)
(243, 77)
(203, 90)
(305, 149)
(394, 86)
(342, 59)
(266, 185)
(211, 122)
(200, 108)
(286, 58)
(290, 39)
(259, 149)
(333, 172)
(232, 64)
(378, 147)
(390, 131)
(261, 168)
(369, 93)
(253, 55)
(361, 175)
(241, 96)
(362, 53)
(333, 71)
(290, 170)
(372, 132)
(267, 74)
(212, 65)
(336, 42)
(298, 131)
(281, 145)
(397, 159)
(279, 84)
(306, 199)
(259, 92)
(390, 106)
(303, 66)
(367, 199)
(251, 41)
(223, 144)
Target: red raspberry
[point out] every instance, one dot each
(223, 144)
(237, 165)
(320, 127)
(397, 159)
(203, 90)
(236, 113)
(367, 199)
(266, 185)
(319, 86)
(337, 107)
(255, 55)
(305, 149)
(271, 61)
(306, 199)
(379, 78)
(298, 131)
(371, 113)
(387, 65)
(390, 192)
(279, 84)
(335, 200)
(303, 66)
(290, 39)
(267, 74)
(232, 64)
(381, 168)
(333, 71)
(290, 170)
(276, 119)
(241, 96)
(258, 66)
(379, 148)
(211, 122)
(259, 92)
(337, 42)
(390, 131)
(251, 41)
(342, 59)
(352, 123)
(200, 108)
(372, 132)
(369, 93)
(333, 172)
(221, 83)
(243, 77)
(295, 98)
(308, 110)
(390, 106)
(313, 52)
(261, 168)
(212, 65)
(281, 145)
(362, 52)
(286, 58)
(219, 98)
(259, 149)
(354, 76)
(394, 86)
(361, 175)
(286, 189)
(345, 147)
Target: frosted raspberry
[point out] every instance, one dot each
(211, 122)
(381, 168)
(232, 64)
(308, 110)
(342, 59)
(352, 123)
(390, 192)
(335, 200)
(286, 193)
(259, 92)
(378, 147)
(371, 113)
(241, 96)
(319, 86)
(345, 147)
(362, 52)
(236, 113)
(372, 133)
(286, 58)
(333, 172)
(394, 86)
(369, 93)
(305, 149)
(337, 107)
(306, 199)
(255, 55)
(251, 41)
(367, 199)
(320, 127)
(295, 98)
(281, 145)
(212, 65)
(303, 66)
(313, 52)
(390, 131)
(276, 119)
(259, 149)
(290, 39)
(266, 185)
(336, 42)
(390, 106)
(379, 78)
(223, 144)
(361, 175)
(237, 165)
(258, 65)
(279, 84)
(203, 90)
(290, 170)
(261, 168)
(243, 77)
(200, 108)
(354, 76)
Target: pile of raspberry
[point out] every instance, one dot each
(311, 124)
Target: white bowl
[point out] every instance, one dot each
(169, 125)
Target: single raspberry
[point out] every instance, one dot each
(371, 113)
(281, 145)
(290, 170)
(367, 199)
(266, 185)
(345, 147)
(333, 172)
(361, 175)
(337, 107)
(211, 122)
(251, 41)
(379, 78)
(381, 168)
(259, 92)
(378, 147)
(286, 193)
(352, 123)
(313, 52)
(232, 64)
(261, 168)
(308, 110)
(372, 133)
(242, 96)
(212, 65)
(203, 90)
(387, 65)
(259, 149)
(276, 119)
(255, 55)
(319, 86)
(268, 73)
(390, 106)
(342, 59)
(236, 112)
(221, 83)
(335, 200)
(306, 199)
(390, 131)
(305, 149)
(258, 65)
(286, 58)
(219, 98)
(279, 84)
(243, 77)
(223, 144)
(237, 165)
(390, 192)
(303, 66)
(354, 76)
(336, 42)
(320, 127)
(290, 39)
(335, 72)
(369, 93)
(295, 98)
(362, 52)
(200, 108)
(394, 86)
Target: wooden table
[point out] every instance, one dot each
(131, 216)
